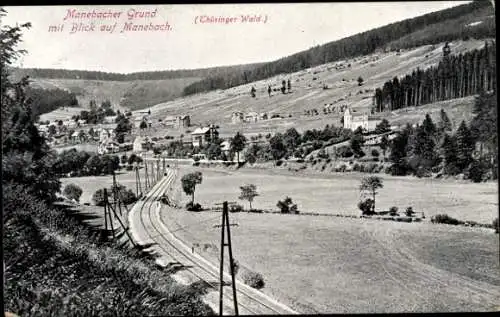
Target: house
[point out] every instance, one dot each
(138, 145)
(252, 117)
(353, 120)
(81, 123)
(44, 128)
(203, 135)
(225, 147)
(109, 119)
(377, 139)
(263, 116)
(237, 117)
(108, 147)
(70, 124)
(75, 137)
(106, 134)
(176, 122)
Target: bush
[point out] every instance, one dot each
(341, 168)
(193, 207)
(393, 211)
(356, 167)
(235, 208)
(409, 212)
(422, 172)
(495, 225)
(286, 206)
(127, 196)
(375, 153)
(98, 197)
(345, 151)
(366, 206)
(72, 191)
(253, 279)
(476, 171)
(444, 218)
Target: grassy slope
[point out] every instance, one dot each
(217, 106)
(55, 267)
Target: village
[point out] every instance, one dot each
(146, 134)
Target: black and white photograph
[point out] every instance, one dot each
(249, 159)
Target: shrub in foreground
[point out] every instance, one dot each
(287, 206)
(253, 279)
(366, 206)
(235, 208)
(393, 211)
(193, 207)
(444, 218)
(409, 212)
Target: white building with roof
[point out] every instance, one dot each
(353, 120)
(203, 135)
(252, 117)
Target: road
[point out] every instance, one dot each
(147, 229)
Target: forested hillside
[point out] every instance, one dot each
(447, 25)
(52, 73)
(456, 76)
(45, 100)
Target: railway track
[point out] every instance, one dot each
(145, 216)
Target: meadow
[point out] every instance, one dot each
(341, 265)
(338, 193)
(89, 184)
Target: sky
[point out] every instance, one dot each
(194, 36)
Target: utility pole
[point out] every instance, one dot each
(138, 187)
(226, 226)
(108, 208)
(146, 179)
(108, 213)
(157, 169)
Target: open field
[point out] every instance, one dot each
(338, 193)
(60, 114)
(340, 265)
(308, 93)
(90, 184)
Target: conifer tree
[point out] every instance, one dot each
(465, 146)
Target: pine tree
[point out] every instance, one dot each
(465, 146)
(449, 155)
(445, 124)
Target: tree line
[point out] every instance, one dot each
(439, 26)
(455, 76)
(54, 73)
(430, 148)
(44, 100)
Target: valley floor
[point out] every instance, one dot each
(341, 265)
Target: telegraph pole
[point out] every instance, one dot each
(108, 213)
(226, 226)
(158, 169)
(146, 179)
